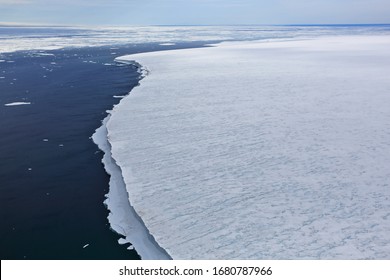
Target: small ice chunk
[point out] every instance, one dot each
(85, 246)
(2, 77)
(29, 169)
(44, 54)
(61, 145)
(167, 44)
(131, 247)
(1, 60)
(119, 96)
(45, 140)
(17, 103)
(122, 241)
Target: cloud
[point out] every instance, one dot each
(14, 2)
(195, 11)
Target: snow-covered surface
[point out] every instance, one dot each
(17, 103)
(122, 217)
(47, 38)
(258, 150)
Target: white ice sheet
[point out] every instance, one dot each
(261, 150)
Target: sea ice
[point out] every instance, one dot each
(167, 44)
(169, 35)
(43, 54)
(258, 150)
(17, 103)
(122, 216)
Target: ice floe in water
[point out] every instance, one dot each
(17, 103)
(43, 54)
(167, 44)
(257, 150)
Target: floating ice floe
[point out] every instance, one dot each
(17, 103)
(44, 54)
(167, 44)
(85, 246)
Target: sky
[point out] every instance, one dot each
(193, 12)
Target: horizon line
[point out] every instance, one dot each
(21, 24)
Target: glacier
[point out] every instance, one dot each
(275, 149)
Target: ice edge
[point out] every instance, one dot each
(133, 229)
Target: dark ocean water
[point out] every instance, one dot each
(52, 182)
